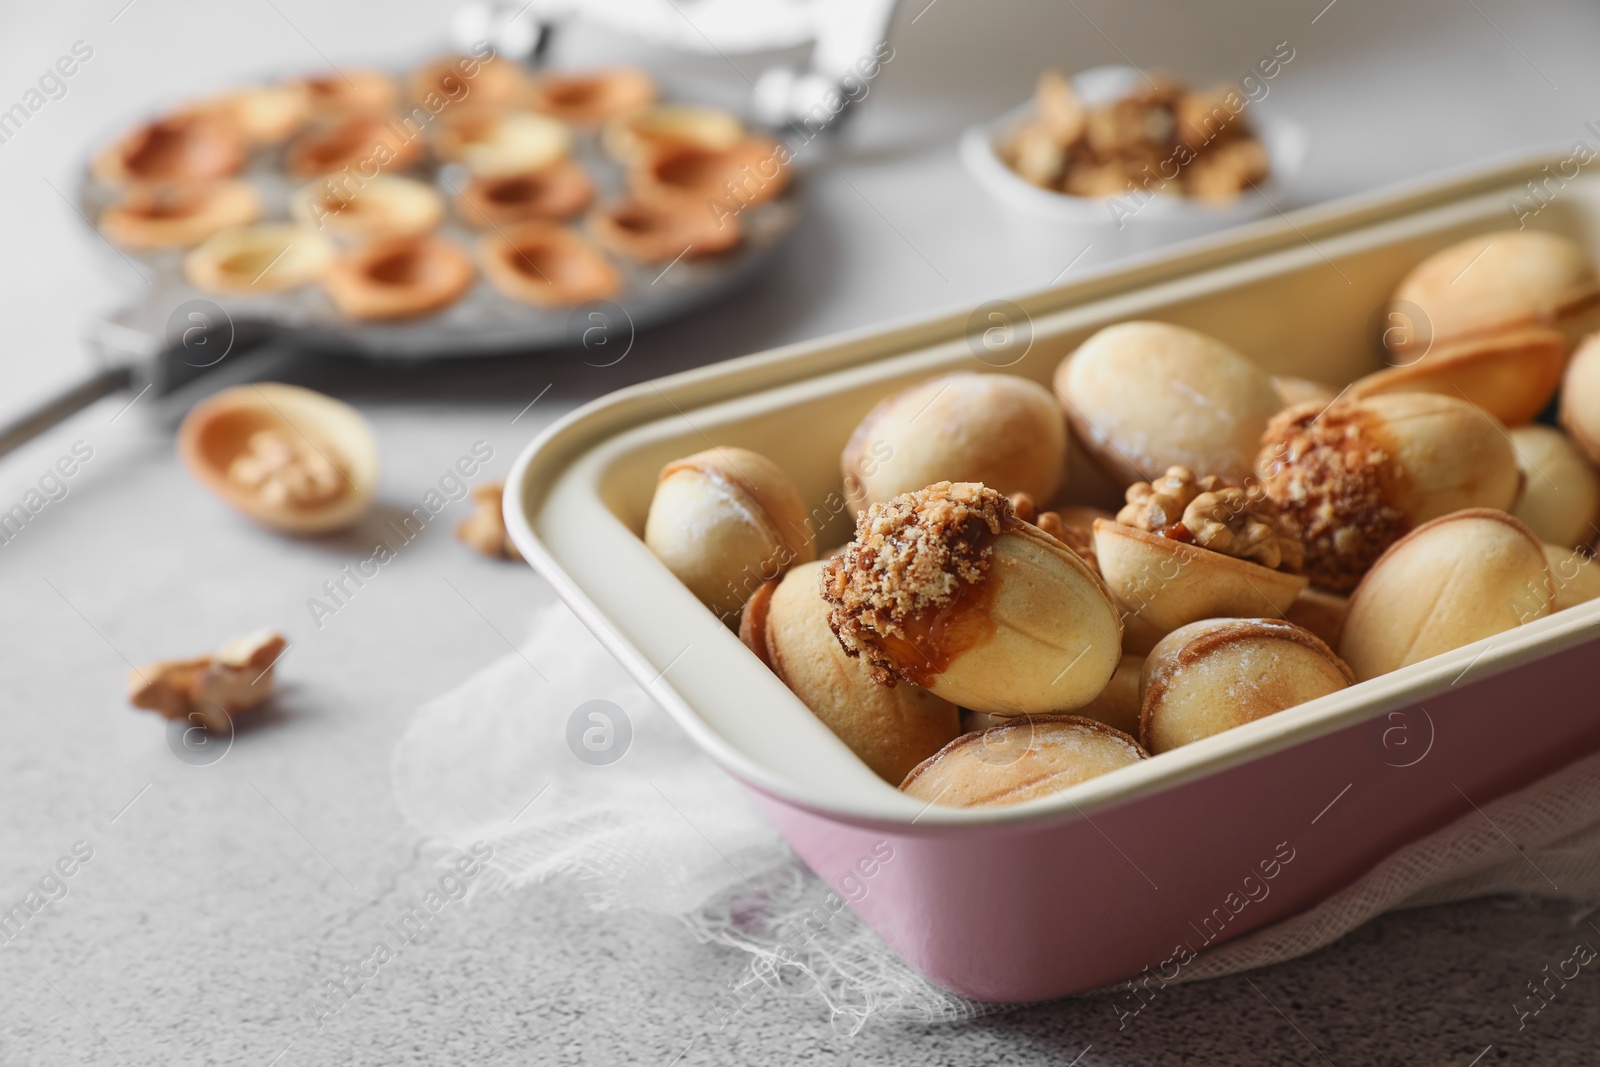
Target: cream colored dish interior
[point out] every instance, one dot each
(1304, 310)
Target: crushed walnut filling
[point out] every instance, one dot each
(1214, 514)
(1333, 474)
(911, 555)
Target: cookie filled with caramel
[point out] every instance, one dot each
(946, 588)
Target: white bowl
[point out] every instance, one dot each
(1140, 220)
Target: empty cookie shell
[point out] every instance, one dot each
(177, 215)
(892, 730)
(589, 97)
(1458, 579)
(385, 206)
(752, 171)
(1580, 397)
(180, 148)
(1145, 396)
(662, 231)
(559, 191)
(398, 278)
(1512, 375)
(1352, 477)
(947, 589)
(263, 114)
(1576, 578)
(1497, 281)
(1168, 583)
(1560, 489)
(544, 264)
(362, 143)
(287, 457)
(494, 142)
(631, 134)
(725, 521)
(1004, 431)
(351, 90)
(455, 79)
(1029, 757)
(1215, 674)
(250, 260)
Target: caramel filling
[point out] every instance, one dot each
(936, 638)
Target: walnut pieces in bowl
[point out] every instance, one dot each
(1158, 137)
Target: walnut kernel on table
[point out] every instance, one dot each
(1218, 516)
(485, 530)
(209, 689)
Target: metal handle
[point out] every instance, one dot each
(169, 376)
(62, 406)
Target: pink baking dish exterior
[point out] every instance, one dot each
(1138, 880)
(1149, 883)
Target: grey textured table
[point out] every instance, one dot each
(219, 898)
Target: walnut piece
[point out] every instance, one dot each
(1159, 505)
(1215, 515)
(485, 530)
(1160, 138)
(209, 689)
(287, 469)
(1235, 523)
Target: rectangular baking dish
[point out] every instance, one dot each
(1136, 868)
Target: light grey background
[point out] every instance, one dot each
(219, 897)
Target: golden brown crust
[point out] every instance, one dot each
(1334, 474)
(911, 555)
